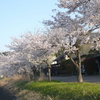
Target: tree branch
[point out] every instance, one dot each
(71, 59)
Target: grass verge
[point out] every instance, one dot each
(63, 91)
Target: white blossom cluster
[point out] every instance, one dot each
(11, 64)
(81, 18)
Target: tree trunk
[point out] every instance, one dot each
(97, 61)
(79, 75)
(77, 65)
(49, 73)
(33, 68)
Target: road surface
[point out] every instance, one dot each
(86, 78)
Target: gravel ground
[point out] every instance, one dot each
(6, 95)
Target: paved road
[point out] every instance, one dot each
(92, 79)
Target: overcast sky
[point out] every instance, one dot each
(19, 16)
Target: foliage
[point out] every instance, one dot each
(64, 63)
(67, 67)
(63, 91)
(94, 51)
(89, 55)
(59, 53)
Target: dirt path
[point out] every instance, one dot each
(6, 95)
(91, 79)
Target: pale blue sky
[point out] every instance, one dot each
(19, 16)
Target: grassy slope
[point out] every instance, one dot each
(64, 91)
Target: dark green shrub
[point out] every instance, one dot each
(67, 67)
(90, 55)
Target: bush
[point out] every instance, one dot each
(67, 67)
(90, 55)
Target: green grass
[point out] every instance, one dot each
(64, 91)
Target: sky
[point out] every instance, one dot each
(20, 16)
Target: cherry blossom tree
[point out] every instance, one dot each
(34, 47)
(12, 64)
(77, 21)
